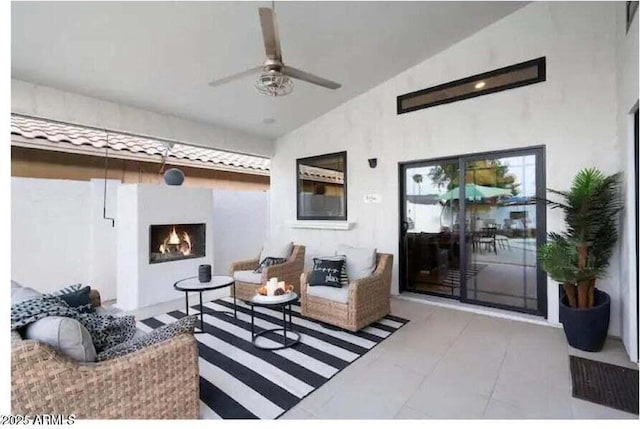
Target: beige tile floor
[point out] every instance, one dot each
(451, 364)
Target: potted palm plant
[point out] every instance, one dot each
(581, 255)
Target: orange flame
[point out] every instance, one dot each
(173, 242)
(187, 240)
(173, 237)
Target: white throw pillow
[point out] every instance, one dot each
(21, 293)
(248, 276)
(361, 261)
(276, 249)
(65, 334)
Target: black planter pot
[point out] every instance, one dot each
(586, 328)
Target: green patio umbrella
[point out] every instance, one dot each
(475, 192)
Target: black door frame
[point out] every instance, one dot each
(541, 222)
(636, 155)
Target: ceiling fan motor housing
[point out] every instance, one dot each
(272, 65)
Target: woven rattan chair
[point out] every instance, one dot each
(158, 382)
(289, 272)
(368, 299)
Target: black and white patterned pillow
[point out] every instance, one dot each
(269, 261)
(184, 325)
(326, 272)
(106, 330)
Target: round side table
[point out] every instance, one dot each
(290, 337)
(192, 284)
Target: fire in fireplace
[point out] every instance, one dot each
(175, 242)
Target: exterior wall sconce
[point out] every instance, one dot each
(373, 162)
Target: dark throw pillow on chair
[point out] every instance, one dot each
(77, 297)
(344, 279)
(269, 261)
(326, 272)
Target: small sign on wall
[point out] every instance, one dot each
(372, 199)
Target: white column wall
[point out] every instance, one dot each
(627, 97)
(127, 248)
(573, 114)
(241, 221)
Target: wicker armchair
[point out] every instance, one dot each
(289, 272)
(159, 382)
(368, 299)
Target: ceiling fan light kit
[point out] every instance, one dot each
(274, 83)
(275, 77)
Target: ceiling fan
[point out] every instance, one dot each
(274, 78)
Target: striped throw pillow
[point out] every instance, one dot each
(267, 262)
(67, 289)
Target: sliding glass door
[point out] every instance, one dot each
(432, 248)
(476, 242)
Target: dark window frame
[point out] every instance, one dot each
(299, 161)
(541, 219)
(541, 63)
(632, 9)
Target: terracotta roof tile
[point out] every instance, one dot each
(76, 135)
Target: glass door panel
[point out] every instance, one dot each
(431, 229)
(500, 208)
(477, 242)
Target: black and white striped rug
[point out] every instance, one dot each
(240, 381)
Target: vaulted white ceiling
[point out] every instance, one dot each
(161, 55)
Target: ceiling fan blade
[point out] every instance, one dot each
(270, 33)
(233, 77)
(308, 77)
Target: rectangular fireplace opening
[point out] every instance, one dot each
(174, 242)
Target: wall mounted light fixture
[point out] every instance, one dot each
(373, 162)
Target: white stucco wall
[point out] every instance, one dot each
(157, 205)
(102, 237)
(42, 101)
(50, 233)
(627, 96)
(241, 222)
(573, 114)
(59, 236)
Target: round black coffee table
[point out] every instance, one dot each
(290, 337)
(192, 284)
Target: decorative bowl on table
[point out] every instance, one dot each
(279, 294)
